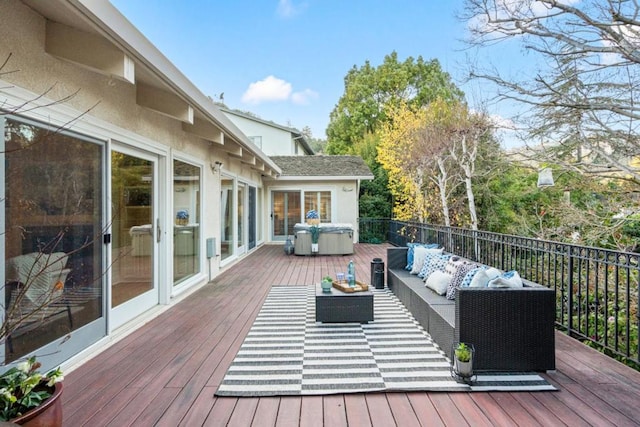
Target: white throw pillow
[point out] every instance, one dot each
(493, 272)
(439, 282)
(510, 279)
(419, 255)
(480, 279)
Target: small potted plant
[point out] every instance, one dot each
(326, 284)
(26, 394)
(182, 217)
(315, 235)
(313, 220)
(462, 367)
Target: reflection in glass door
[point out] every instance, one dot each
(285, 213)
(134, 245)
(52, 238)
(240, 218)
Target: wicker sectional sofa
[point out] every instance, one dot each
(512, 330)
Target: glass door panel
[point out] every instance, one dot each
(54, 263)
(240, 218)
(186, 228)
(133, 245)
(226, 215)
(285, 213)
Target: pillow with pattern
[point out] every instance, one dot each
(427, 263)
(438, 262)
(419, 255)
(459, 277)
(410, 252)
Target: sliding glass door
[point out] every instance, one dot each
(53, 239)
(134, 248)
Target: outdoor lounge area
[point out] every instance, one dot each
(166, 372)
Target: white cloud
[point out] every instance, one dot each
(269, 89)
(304, 97)
(286, 8)
(273, 89)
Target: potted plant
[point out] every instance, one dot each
(463, 361)
(28, 397)
(313, 220)
(326, 284)
(315, 235)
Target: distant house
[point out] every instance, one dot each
(126, 187)
(328, 184)
(271, 138)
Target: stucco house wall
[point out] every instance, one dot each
(39, 86)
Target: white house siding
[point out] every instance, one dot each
(275, 141)
(344, 201)
(107, 110)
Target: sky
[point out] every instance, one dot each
(285, 60)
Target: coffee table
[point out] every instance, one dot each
(343, 307)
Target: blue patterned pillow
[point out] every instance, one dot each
(410, 252)
(437, 263)
(466, 281)
(427, 262)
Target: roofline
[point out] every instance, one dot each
(324, 178)
(294, 131)
(113, 24)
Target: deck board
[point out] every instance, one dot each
(166, 372)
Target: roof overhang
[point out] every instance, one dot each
(95, 35)
(324, 178)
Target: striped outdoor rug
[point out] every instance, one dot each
(287, 352)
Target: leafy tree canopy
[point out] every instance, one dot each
(369, 90)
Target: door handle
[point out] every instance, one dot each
(159, 235)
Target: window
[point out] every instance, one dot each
(320, 201)
(257, 140)
(186, 214)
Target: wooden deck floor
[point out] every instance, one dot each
(166, 372)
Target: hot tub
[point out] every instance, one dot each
(334, 239)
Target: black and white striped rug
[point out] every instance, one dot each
(287, 352)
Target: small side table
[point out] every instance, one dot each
(343, 307)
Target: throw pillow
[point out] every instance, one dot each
(493, 272)
(460, 274)
(466, 282)
(437, 262)
(427, 262)
(480, 279)
(410, 252)
(438, 281)
(452, 265)
(419, 255)
(510, 279)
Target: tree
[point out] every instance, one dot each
(369, 90)
(397, 155)
(361, 111)
(582, 93)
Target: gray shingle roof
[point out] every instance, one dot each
(333, 166)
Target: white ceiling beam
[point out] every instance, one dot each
(89, 50)
(205, 129)
(249, 160)
(164, 102)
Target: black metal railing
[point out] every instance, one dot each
(597, 290)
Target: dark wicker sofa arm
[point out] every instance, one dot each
(511, 328)
(397, 258)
